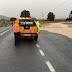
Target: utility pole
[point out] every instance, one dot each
(43, 16)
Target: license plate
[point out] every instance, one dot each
(26, 34)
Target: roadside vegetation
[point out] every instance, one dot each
(4, 23)
(44, 23)
(51, 19)
(26, 13)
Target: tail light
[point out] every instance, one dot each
(37, 29)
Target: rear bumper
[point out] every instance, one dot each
(32, 35)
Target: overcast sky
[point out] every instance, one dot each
(13, 8)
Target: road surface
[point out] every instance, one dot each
(51, 53)
(2, 29)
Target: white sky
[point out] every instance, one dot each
(13, 8)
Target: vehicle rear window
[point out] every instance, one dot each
(27, 23)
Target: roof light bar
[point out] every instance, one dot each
(24, 18)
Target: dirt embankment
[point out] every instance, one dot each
(61, 28)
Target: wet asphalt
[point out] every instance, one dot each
(26, 57)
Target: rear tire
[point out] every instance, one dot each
(35, 38)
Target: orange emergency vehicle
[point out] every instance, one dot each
(28, 27)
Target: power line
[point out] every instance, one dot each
(57, 7)
(60, 4)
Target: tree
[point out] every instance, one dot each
(13, 19)
(25, 13)
(71, 12)
(50, 16)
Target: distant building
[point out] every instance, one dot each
(70, 16)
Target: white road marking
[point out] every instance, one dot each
(47, 62)
(37, 45)
(5, 31)
(50, 66)
(42, 53)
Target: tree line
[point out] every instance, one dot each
(25, 13)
